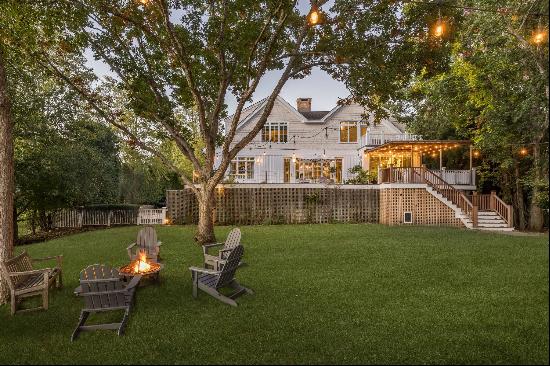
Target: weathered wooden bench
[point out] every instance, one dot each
(103, 290)
(216, 261)
(211, 281)
(146, 242)
(26, 281)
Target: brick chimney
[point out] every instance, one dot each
(303, 104)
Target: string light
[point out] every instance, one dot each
(314, 17)
(540, 36)
(523, 151)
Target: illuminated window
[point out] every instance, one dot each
(242, 168)
(348, 132)
(275, 132)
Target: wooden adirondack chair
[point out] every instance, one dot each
(216, 261)
(26, 281)
(104, 290)
(211, 281)
(146, 242)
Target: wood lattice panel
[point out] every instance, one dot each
(267, 205)
(426, 209)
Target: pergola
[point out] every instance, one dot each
(410, 153)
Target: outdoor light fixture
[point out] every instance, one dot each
(476, 153)
(315, 17)
(293, 158)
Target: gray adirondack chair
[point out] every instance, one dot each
(103, 290)
(216, 261)
(146, 242)
(211, 281)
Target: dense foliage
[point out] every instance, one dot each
(494, 91)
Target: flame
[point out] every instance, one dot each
(141, 264)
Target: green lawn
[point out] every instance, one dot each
(323, 294)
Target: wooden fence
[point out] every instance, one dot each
(79, 217)
(249, 204)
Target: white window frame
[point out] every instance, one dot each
(279, 127)
(248, 172)
(349, 124)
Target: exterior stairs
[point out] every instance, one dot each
(487, 220)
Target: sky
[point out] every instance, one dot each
(319, 86)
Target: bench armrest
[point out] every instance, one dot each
(203, 270)
(26, 273)
(58, 260)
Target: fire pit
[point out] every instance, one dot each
(141, 267)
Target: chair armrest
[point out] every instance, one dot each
(133, 283)
(205, 247)
(203, 270)
(26, 273)
(159, 243)
(77, 290)
(131, 246)
(108, 292)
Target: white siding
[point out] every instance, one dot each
(306, 139)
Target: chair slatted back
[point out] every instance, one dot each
(230, 267)
(233, 239)
(19, 263)
(90, 282)
(147, 240)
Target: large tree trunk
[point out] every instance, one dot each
(536, 218)
(6, 176)
(520, 204)
(205, 228)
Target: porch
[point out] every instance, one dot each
(415, 154)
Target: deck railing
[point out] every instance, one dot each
(457, 177)
(468, 205)
(492, 202)
(376, 139)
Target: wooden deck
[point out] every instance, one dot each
(469, 205)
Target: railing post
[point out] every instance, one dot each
(380, 178)
(492, 201)
(473, 177)
(475, 199)
(423, 173)
(474, 215)
(510, 216)
(391, 173)
(109, 218)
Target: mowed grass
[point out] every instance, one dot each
(323, 294)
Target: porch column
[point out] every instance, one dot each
(440, 158)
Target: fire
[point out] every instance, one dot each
(141, 264)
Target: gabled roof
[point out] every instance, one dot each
(314, 115)
(319, 117)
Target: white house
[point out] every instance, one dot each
(300, 145)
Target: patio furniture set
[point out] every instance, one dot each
(104, 288)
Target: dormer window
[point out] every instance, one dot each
(275, 132)
(348, 132)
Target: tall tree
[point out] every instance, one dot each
(494, 90)
(6, 173)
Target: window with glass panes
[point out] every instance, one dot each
(275, 132)
(242, 168)
(348, 132)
